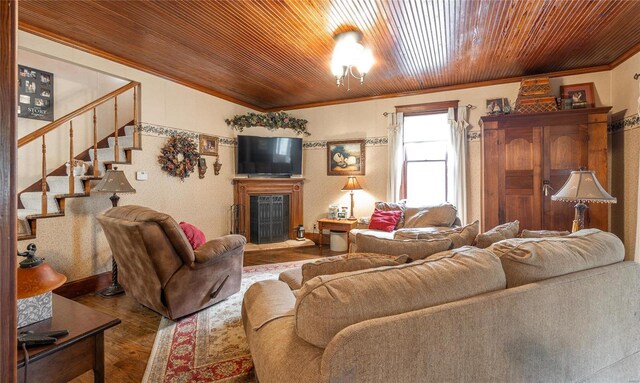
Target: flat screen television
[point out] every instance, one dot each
(269, 156)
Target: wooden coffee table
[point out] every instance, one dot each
(80, 351)
(336, 225)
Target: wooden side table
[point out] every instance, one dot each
(72, 355)
(336, 225)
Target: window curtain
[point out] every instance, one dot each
(396, 155)
(457, 177)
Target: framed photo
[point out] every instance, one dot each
(35, 88)
(497, 106)
(581, 95)
(209, 145)
(346, 158)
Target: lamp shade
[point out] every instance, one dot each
(583, 186)
(352, 184)
(114, 182)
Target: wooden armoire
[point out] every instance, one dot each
(524, 154)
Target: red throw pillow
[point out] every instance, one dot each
(194, 235)
(385, 220)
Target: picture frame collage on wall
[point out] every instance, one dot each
(35, 94)
(346, 158)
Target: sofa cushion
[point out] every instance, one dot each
(392, 206)
(425, 216)
(498, 233)
(350, 262)
(542, 233)
(385, 220)
(292, 277)
(460, 236)
(327, 304)
(338, 264)
(415, 248)
(527, 260)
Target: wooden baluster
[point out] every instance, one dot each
(44, 177)
(95, 144)
(72, 181)
(116, 148)
(135, 118)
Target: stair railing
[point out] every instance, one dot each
(69, 118)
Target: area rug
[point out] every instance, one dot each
(209, 346)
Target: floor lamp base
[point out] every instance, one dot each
(111, 291)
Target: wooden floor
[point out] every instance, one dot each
(128, 345)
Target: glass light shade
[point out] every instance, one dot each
(583, 186)
(365, 61)
(352, 184)
(114, 182)
(38, 280)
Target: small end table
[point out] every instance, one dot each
(72, 355)
(336, 225)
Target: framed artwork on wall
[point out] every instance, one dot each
(209, 145)
(581, 95)
(35, 90)
(346, 158)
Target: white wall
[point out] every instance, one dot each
(625, 153)
(73, 87)
(365, 119)
(75, 244)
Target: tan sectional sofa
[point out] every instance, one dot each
(523, 310)
(433, 218)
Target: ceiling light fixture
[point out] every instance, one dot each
(349, 53)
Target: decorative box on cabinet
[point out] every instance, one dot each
(521, 153)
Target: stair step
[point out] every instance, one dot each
(33, 201)
(60, 184)
(128, 130)
(123, 141)
(24, 228)
(24, 213)
(107, 154)
(43, 216)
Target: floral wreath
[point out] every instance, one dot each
(179, 157)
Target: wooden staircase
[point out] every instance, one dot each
(47, 197)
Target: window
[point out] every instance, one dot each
(425, 143)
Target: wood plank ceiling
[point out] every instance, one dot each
(273, 55)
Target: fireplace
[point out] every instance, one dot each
(269, 218)
(290, 190)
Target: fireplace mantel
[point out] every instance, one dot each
(244, 188)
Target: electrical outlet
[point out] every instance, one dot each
(315, 226)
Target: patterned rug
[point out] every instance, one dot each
(209, 346)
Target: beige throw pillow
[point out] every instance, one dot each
(327, 304)
(415, 248)
(527, 260)
(542, 233)
(425, 216)
(350, 262)
(498, 233)
(460, 236)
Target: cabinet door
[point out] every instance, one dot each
(565, 149)
(522, 176)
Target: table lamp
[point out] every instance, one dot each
(36, 279)
(114, 181)
(581, 187)
(351, 185)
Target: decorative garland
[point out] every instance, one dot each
(271, 121)
(179, 157)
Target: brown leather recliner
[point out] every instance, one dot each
(158, 267)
